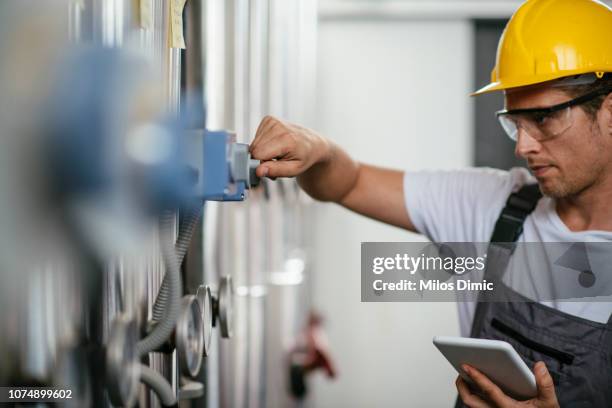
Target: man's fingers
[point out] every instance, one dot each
(545, 384)
(467, 396)
(265, 122)
(279, 168)
(265, 130)
(273, 148)
(488, 388)
(262, 171)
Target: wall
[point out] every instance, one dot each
(393, 93)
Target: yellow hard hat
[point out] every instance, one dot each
(551, 39)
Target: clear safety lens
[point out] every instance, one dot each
(509, 126)
(541, 125)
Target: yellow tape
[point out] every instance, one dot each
(176, 24)
(146, 14)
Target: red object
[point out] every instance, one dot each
(317, 347)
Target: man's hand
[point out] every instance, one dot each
(285, 149)
(327, 173)
(493, 396)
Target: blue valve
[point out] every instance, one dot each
(156, 165)
(224, 167)
(93, 149)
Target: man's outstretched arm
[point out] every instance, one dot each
(327, 173)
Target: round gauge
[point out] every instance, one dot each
(190, 336)
(122, 365)
(226, 299)
(206, 306)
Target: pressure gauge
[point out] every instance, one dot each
(122, 366)
(223, 306)
(205, 301)
(190, 336)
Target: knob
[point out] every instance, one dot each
(189, 337)
(122, 368)
(253, 178)
(205, 300)
(242, 166)
(190, 389)
(223, 306)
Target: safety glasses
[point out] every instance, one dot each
(544, 123)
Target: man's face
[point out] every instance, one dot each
(572, 161)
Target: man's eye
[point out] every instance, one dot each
(540, 118)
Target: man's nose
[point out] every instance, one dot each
(525, 144)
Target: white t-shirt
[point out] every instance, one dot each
(463, 206)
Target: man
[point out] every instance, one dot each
(553, 63)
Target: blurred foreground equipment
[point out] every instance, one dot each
(114, 264)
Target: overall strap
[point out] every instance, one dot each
(508, 229)
(509, 225)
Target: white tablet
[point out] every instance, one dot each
(496, 359)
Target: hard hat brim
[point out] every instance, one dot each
(517, 83)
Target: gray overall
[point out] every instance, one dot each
(577, 352)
